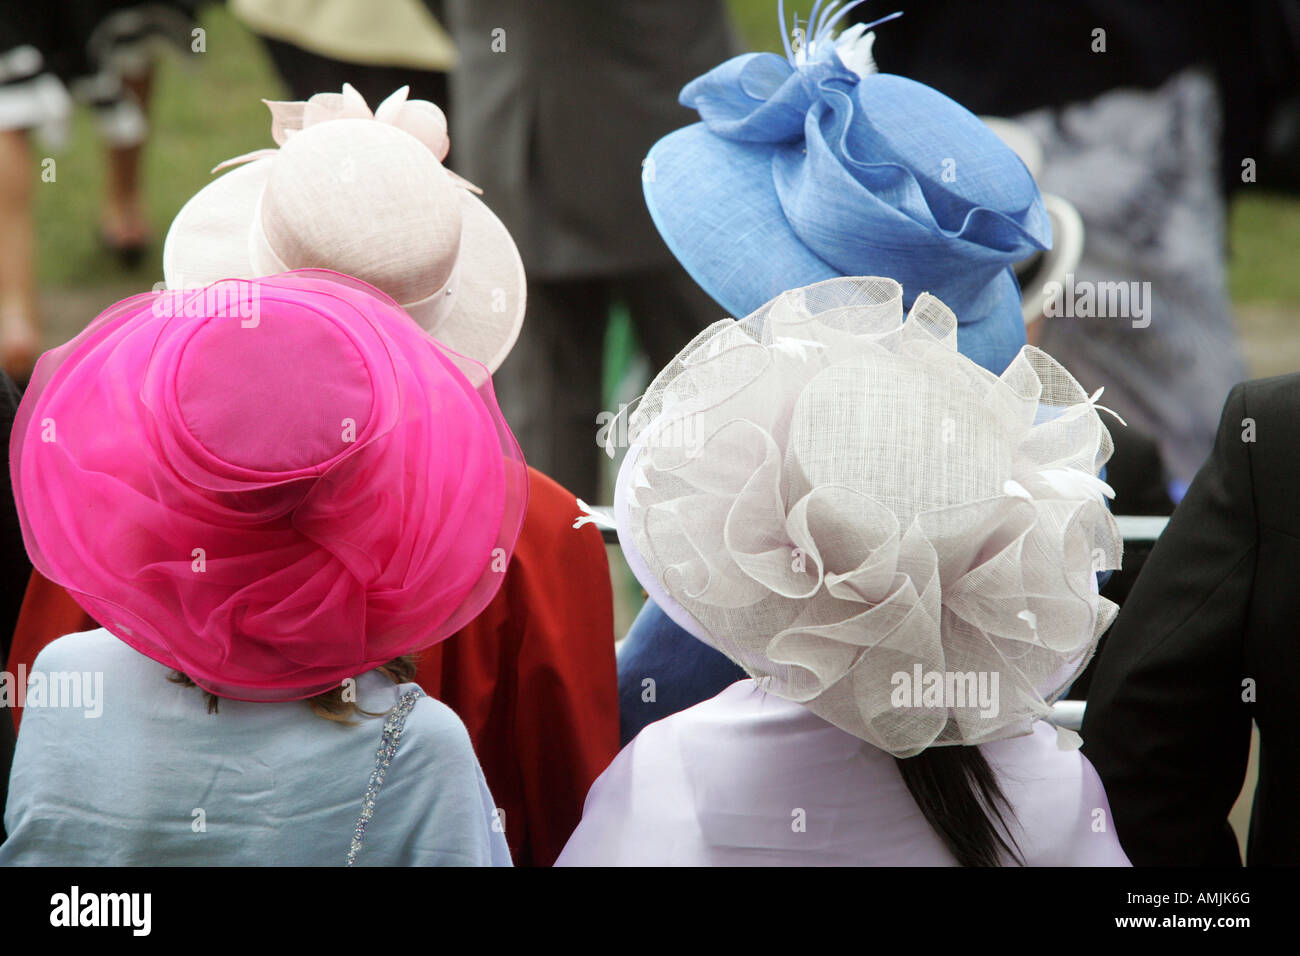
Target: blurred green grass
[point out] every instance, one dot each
(1264, 249)
(757, 22)
(208, 108)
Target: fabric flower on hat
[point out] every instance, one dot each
(832, 497)
(420, 118)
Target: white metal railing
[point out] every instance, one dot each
(1067, 714)
(1136, 529)
(1141, 528)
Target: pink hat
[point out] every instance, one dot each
(270, 485)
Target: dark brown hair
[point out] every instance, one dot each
(960, 797)
(331, 704)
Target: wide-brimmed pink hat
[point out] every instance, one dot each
(270, 485)
(364, 194)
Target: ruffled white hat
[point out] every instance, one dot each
(833, 497)
(364, 194)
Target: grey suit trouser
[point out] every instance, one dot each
(550, 385)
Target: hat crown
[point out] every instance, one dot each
(300, 398)
(898, 408)
(366, 199)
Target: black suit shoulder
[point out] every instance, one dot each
(1166, 725)
(1270, 428)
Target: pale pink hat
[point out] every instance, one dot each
(364, 194)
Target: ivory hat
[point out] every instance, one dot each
(365, 195)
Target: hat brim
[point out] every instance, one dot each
(209, 241)
(1057, 262)
(637, 563)
(737, 244)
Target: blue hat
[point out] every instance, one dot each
(815, 166)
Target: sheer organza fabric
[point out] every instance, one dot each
(831, 497)
(270, 485)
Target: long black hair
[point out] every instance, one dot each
(957, 791)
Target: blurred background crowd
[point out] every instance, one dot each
(1173, 131)
(1172, 127)
(1175, 137)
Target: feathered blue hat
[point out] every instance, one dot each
(815, 166)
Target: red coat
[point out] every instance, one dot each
(533, 677)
